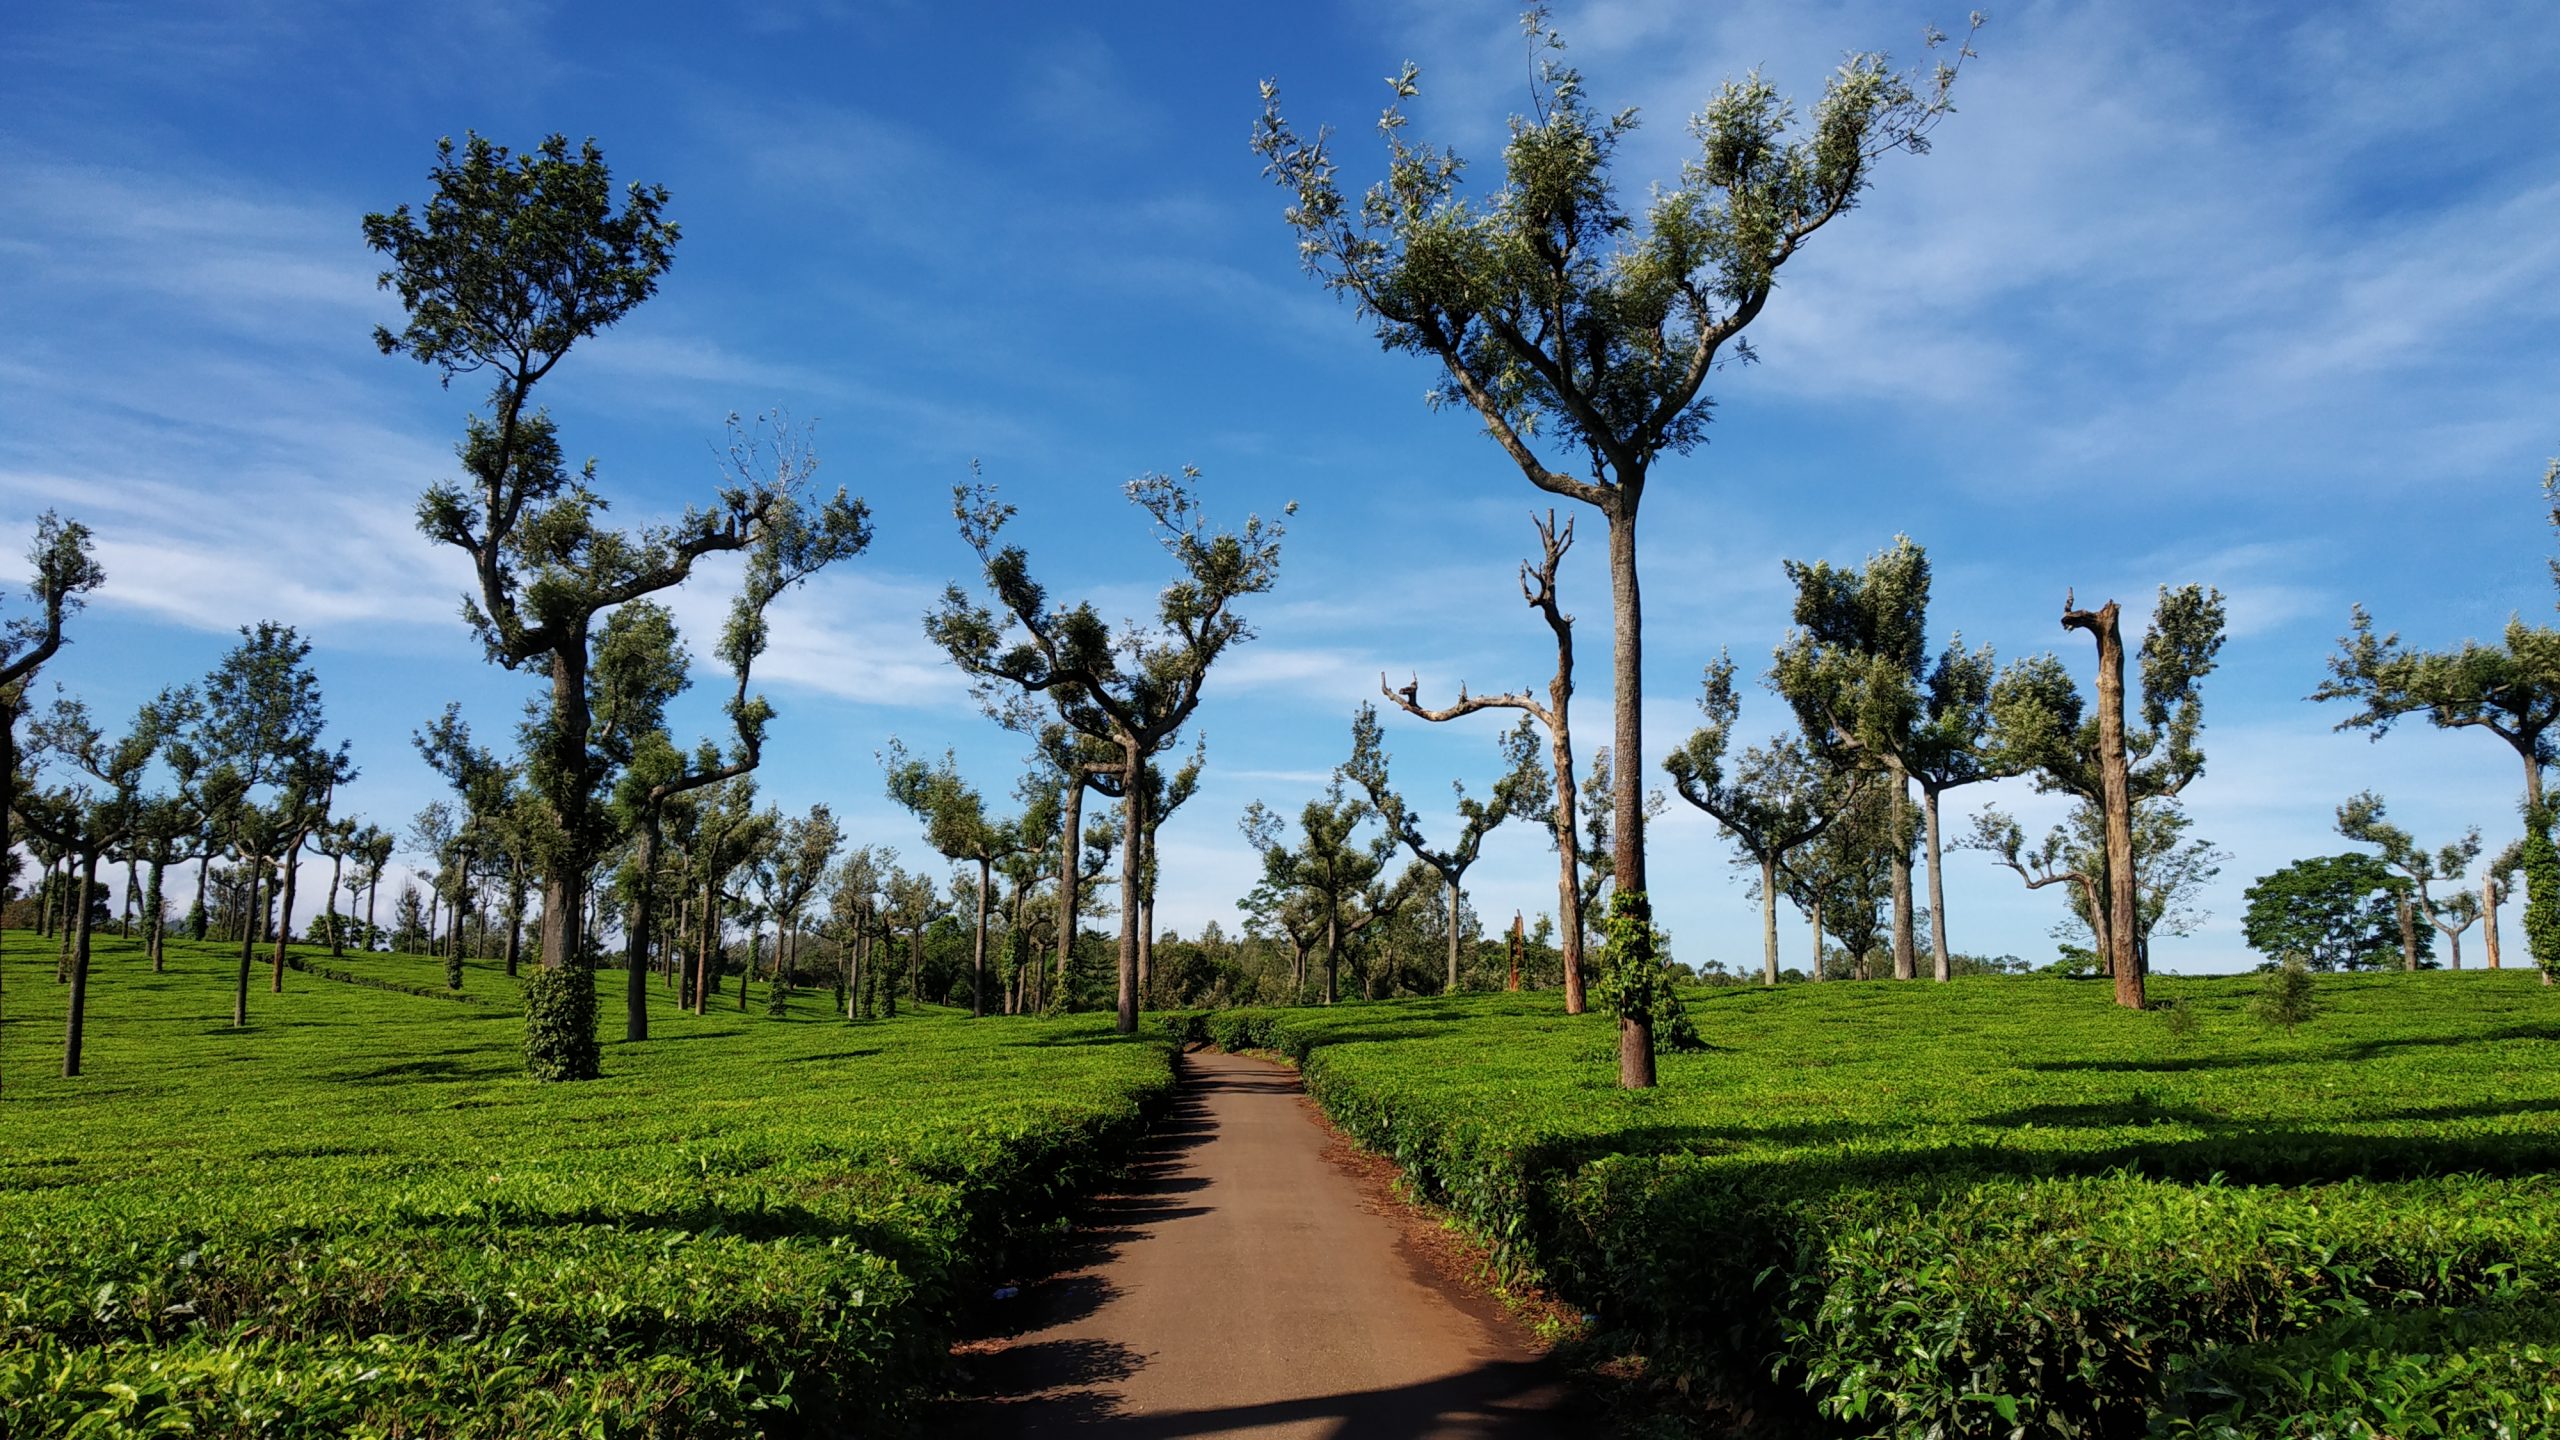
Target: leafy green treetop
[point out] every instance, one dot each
(2338, 912)
(2362, 819)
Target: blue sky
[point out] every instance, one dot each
(2257, 296)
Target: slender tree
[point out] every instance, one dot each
(1580, 334)
(957, 826)
(1330, 863)
(1133, 688)
(1520, 790)
(2040, 725)
(1779, 797)
(1555, 713)
(512, 261)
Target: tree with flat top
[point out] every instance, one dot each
(1580, 334)
(514, 260)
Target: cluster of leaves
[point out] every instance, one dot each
(368, 1221)
(1998, 1206)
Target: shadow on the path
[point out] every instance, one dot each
(1015, 1383)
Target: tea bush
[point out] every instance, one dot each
(357, 1216)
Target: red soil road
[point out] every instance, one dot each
(1246, 1285)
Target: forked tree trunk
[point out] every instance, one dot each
(2116, 801)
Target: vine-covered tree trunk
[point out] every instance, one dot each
(1635, 1033)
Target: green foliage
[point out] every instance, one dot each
(2542, 898)
(1635, 980)
(1999, 1206)
(2285, 998)
(559, 1021)
(2432, 1374)
(361, 1218)
(2338, 912)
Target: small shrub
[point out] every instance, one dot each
(2286, 1000)
(2178, 1020)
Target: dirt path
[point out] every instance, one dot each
(1245, 1284)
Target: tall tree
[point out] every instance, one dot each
(512, 261)
(1780, 797)
(793, 872)
(2040, 724)
(1132, 688)
(1858, 673)
(1538, 587)
(2363, 820)
(1521, 789)
(1580, 334)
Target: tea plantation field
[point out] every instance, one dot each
(356, 1217)
(2006, 1206)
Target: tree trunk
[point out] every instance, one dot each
(2489, 917)
(1332, 952)
(1906, 960)
(155, 925)
(1768, 921)
(1451, 986)
(515, 918)
(1818, 963)
(707, 946)
(1070, 871)
(978, 950)
(1940, 957)
(635, 951)
(372, 893)
(130, 888)
(2452, 946)
(1131, 772)
(248, 941)
(337, 874)
(2408, 935)
(1626, 607)
(204, 872)
(79, 970)
(284, 921)
(2115, 797)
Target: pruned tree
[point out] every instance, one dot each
(1780, 797)
(2040, 725)
(1555, 713)
(1520, 790)
(64, 572)
(792, 874)
(1132, 688)
(512, 261)
(2363, 820)
(1581, 334)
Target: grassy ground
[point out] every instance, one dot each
(2006, 1203)
(355, 1216)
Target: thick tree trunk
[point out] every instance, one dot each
(978, 950)
(1769, 921)
(1818, 963)
(2116, 801)
(284, 921)
(2489, 917)
(2452, 946)
(1519, 945)
(1939, 955)
(248, 941)
(1131, 773)
(1626, 606)
(1906, 960)
(78, 1014)
(2408, 935)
